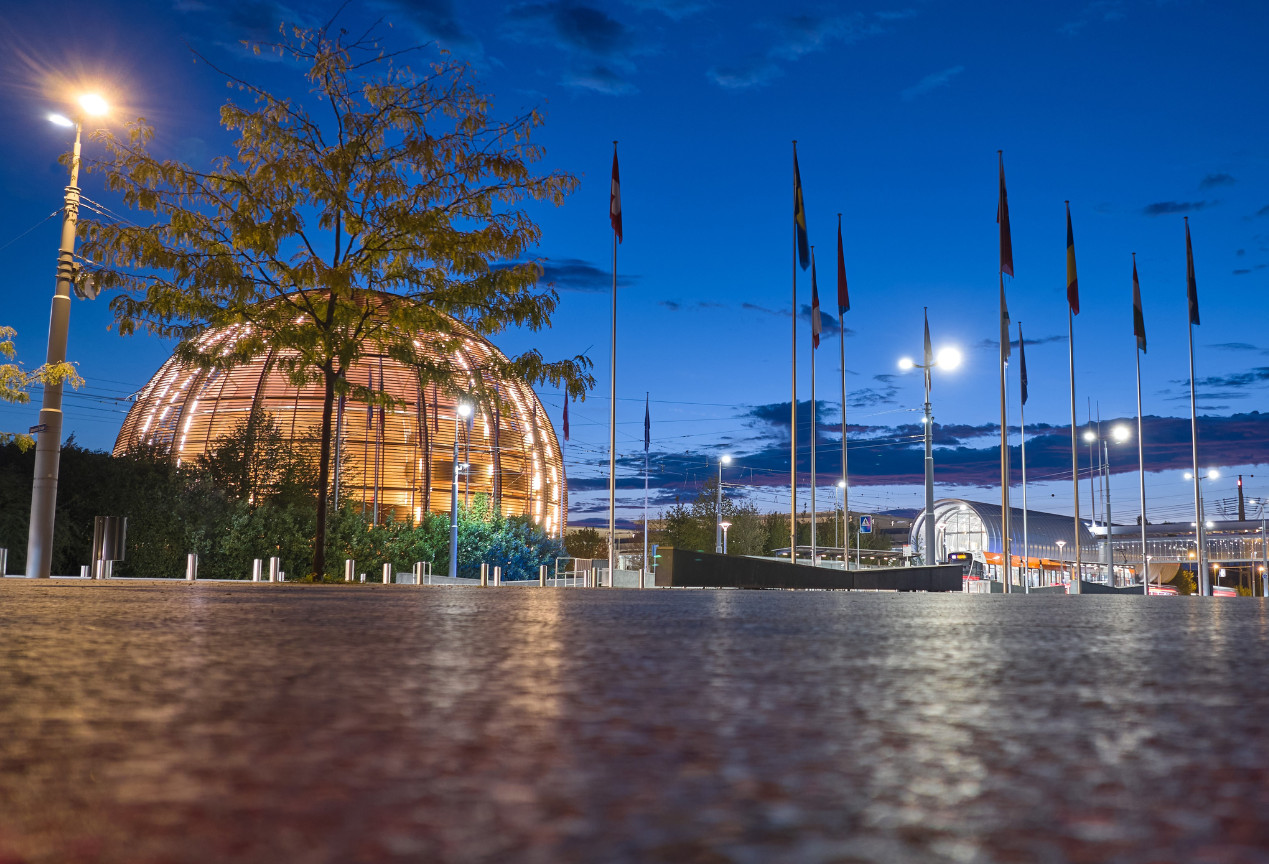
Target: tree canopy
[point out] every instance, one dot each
(16, 382)
(384, 203)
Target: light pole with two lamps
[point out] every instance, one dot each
(48, 442)
(718, 507)
(947, 358)
(1119, 433)
(462, 412)
(1200, 536)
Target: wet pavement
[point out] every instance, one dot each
(154, 722)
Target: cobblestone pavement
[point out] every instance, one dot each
(284, 723)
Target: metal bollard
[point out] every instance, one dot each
(542, 576)
(275, 565)
(349, 567)
(497, 576)
(83, 571)
(641, 572)
(387, 573)
(257, 570)
(191, 567)
(363, 577)
(4, 563)
(484, 574)
(418, 572)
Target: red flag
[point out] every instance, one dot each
(1002, 217)
(1138, 316)
(565, 416)
(1072, 281)
(816, 323)
(843, 296)
(614, 197)
(1191, 289)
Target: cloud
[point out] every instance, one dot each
(675, 9)
(930, 82)
(1211, 181)
(796, 36)
(1250, 378)
(1238, 346)
(994, 344)
(600, 48)
(435, 18)
(672, 305)
(1165, 208)
(1098, 10)
(574, 274)
(678, 305)
(1263, 211)
(1241, 272)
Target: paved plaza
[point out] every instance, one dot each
(154, 722)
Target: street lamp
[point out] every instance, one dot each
(1264, 550)
(1061, 544)
(837, 539)
(48, 442)
(462, 413)
(724, 526)
(718, 506)
(947, 358)
(1200, 539)
(1119, 433)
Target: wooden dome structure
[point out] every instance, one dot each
(399, 460)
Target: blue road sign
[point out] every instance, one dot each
(865, 524)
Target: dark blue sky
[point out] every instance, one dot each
(1137, 112)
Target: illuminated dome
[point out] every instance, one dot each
(401, 458)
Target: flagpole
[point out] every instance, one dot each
(1075, 457)
(1022, 414)
(1006, 556)
(612, 411)
(646, 569)
(1198, 498)
(814, 514)
(845, 475)
(1139, 333)
(793, 420)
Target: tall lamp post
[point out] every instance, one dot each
(725, 526)
(1119, 433)
(462, 413)
(48, 442)
(1200, 536)
(947, 358)
(1061, 544)
(845, 537)
(1264, 550)
(718, 506)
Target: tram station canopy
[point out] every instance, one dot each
(961, 525)
(401, 457)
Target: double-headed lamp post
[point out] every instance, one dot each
(718, 506)
(463, 412)
(947, 358)
(48, 442)
(1264, 550)
(1200, 536)
(1119, 433)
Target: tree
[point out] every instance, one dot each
(383, 204)
(16, 381)
(586, 543)
(255, 462)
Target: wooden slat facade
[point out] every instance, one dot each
(402, 457)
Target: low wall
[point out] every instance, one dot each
(686, 569)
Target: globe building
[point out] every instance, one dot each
(396, 462)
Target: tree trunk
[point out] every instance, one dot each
(323, 472)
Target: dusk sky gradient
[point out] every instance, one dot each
(1139, 112)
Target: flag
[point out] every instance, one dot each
(614, 197)
(799, 215)
(1002, 217)
(1022, 363)
(1005, 349)
(816, 323)
(1072, 283)
(929, 351)
(1191, 288)
(843, 296)
(1138, 317)
(565, 416)
(647, 425)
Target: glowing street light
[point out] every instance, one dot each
(48, 442)
(725, 526)
(719, 540)
(1200, 540)
(461, 413)
(946, 358)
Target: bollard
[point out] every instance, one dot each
(640, 583)
(418, 572)
(191, 567)
(4, 563)
(542, 576)
(363, 577)
(257, 570)
(484, 574)
(83, 572)
(387, 574)
(497, 576)
(349, 567)
(275, 564)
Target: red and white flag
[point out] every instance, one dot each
(614, 198)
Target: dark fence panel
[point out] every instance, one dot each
(686, 569)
